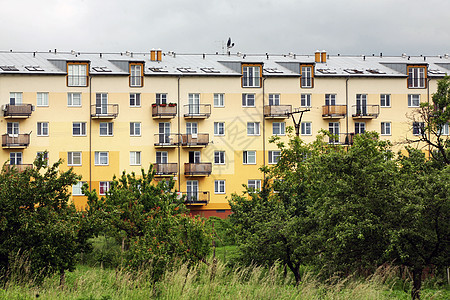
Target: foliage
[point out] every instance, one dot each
(37, 222)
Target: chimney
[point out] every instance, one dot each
(317, 56)
(159, 55)
(153, 55)
(323, 56)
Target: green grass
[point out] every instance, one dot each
(213, 282)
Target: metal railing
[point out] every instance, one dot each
(104, 110)
(165, 110)
(16, 140)
(165, 169)
(195, 140)
(197, 110)
(18, 110)
(277, 111)
(166, 140)
(334, 111)
(365, 111)
(202, 169)
(196, 197)
(341, 139)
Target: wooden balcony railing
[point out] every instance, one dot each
(17, 110)
(196, 198)
(104, 111)
(165, 169)
(277, 111)
(197, 169)
(16, 140)
(197, 111)
(195, 140)
(165, 111)
(334, 111)
(365, 111)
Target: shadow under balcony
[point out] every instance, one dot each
(196, 198)
(195, 140)
(106, 111)
(197, 169)
(197, 111)
(165, 169)
(16, 140)
(334, 111)
(365, 111)
(17, 111)
(277, 111)
(164, 111)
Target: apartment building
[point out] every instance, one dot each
(204, 120)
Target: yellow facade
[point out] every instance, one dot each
(279, 79)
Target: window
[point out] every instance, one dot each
(76, 188)
(192, 190)
(330, 99)
(79, 128)
(77, 74)
(248, 100)
(162, 157)
(73, 99)
(360, 127)
(135, 100)
(417, 77)
(274, 156)
(191, 128)
(385, 128)
(254, 184)
(305, 100)
(278, 128)
(101, 158)
(306, 128)
(15, 158)
(444, 130)
(15, 98)
(161, 99)
(219, 100)
(333, 128)
(194, 104)
(219, 187)
(251, 76)
(135, 128)
(74, 158)
(42, 129)
(136, 75)
(103, 187)
(219, 128)
(253, 128)
(418, 128)
(249, 158)
(274, 99)
(135, 158)
(42, 99)
(106, 129)
(101, 104)
(306, 76)
(385, 100)
(413, 100)
(43, 155)
(219, 157)
(12, 128)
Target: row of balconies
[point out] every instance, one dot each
(203, 111)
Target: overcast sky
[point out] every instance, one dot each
(356, 27)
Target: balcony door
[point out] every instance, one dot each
(101, 104)
(192, 190)
(194, 104)
(194, 157)
(164, 133)
(15, 158)
(162, 157)
(361, 104)
(12, 129)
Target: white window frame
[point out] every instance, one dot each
(248, 100)
(103, 187)
(413, 102)
(249, 157)
(416, 77)
(74, 99)
(306, 128)
(135, 128)
(386, 128)
(135, 158)
(136, 78)
(15, 158)
(77, 74)
(219, 100)
(162, 157)
(219, 128)
(107, 128)
(101, 158)
(219, 187)
(42, 129)
(274, 156)
(254, 184)
(334, 128)
(306, 80)
(135, 100)
(445, 129)
(13, 128)
(274, 99)
(42, 99)
(219, 157)
(305, 100)
(417, 128)
(385, 100)
(253, 128)
(15, 97)
(73, 157)
(251, 76)
(278, 128)
(360, 127)
(82, 128)
(191, 128)
(161, 98)
(77, 188)
(330, 99)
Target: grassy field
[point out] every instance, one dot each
(212, 282)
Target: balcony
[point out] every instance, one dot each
(334, 111)
(15, 140)
(196, 198)
(195, 140)
(166, 140)
(164, 111)
(20, 168)
(17, 110)
(104, 111)
(365, 111)
(197, 111)
(197, 169)
(167, 169)
(341, 139)
(277, 111)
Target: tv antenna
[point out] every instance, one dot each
(229, 45)
(297, 123)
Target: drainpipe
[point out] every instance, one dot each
(428, 100)
(90, 133)
(264, 125)
(179, 134)
(346, 104)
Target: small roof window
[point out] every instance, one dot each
(9, 68)
(327, 71)
(186, 70)
(436, 71)
(375, 71)
(209, 70)
(34, 68)
(101, 69)
(354, 71)
(273, 70)
(159, 69)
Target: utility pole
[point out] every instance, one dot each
(297, 123)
